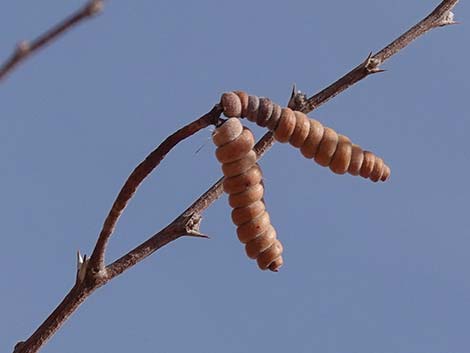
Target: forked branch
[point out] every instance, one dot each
(97, 260)
(96, 273)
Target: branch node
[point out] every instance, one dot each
(193, 233)
(297, 99)
(94, 7)
(446, 19)
(372, 64)
(192, 227)
(23, 48)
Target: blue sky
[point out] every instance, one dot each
(368, 267)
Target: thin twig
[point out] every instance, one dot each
(64, 310)
(185, 224)
(441, 16)
(94, 278)
(97, 260)
(188, 222)
(25, 49)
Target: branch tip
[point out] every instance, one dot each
(18, 346)
(94, 7)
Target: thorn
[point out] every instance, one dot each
(192, 227)
(366, 62)
(446, 20)
(372, 65)
(297, 99)
(196, 234)
(294, 90)
(292, 96)
(82, 264)
(376, 71)
(79, 260)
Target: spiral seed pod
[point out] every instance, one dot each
(315, 141)
(243, 184)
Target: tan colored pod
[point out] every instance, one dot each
(252, 109)
(243, 181)
(262, 242)
(275, 116)
(239, 166)
(242, 175)
(367, 164)
(314, 140)
(276, 264)
(269, 255)
(386, 173)
(231, 104)
(244, 214)
(228, 131)
(301, 130)
(315, 135)
(342, 157)
(327, 147)
(236, 149)
(264, 111)
(378, 170)
(251, 229)
(357, 158)
(246, 197)
(243, 96)
(286, 125)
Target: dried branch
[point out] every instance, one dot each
(90, 276)
(64, 310)
(25, 49)
(185, 224)
(441, 16)
(97, 260)
(93, 275)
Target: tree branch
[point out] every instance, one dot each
(441, 16)
(96, 275)
(25, 49)
(64, 310)
(97, 260)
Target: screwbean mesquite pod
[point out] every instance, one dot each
(315, 141)
(243, 184)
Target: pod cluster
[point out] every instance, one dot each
(243, 184)
(315, 141)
